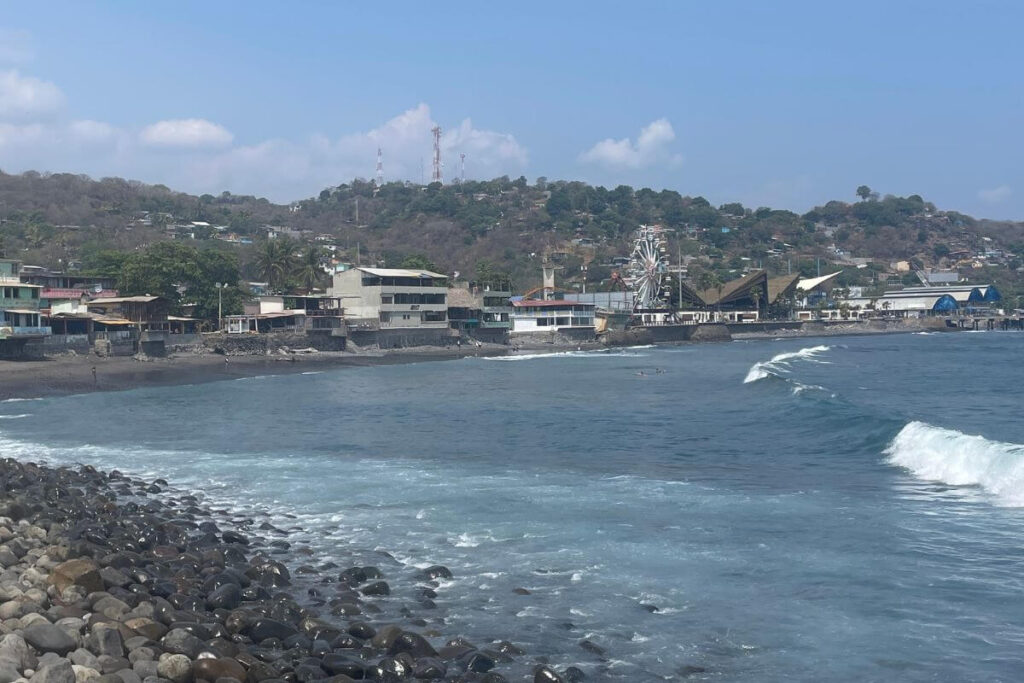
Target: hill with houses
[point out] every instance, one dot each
(509, 227)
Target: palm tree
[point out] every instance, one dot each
(308, 271)
(755, 295)
(275, 259)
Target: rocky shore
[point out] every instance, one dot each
(111, 579)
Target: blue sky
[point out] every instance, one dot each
(785, 104)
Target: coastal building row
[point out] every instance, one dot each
(389, 307)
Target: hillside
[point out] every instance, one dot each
(65, 220)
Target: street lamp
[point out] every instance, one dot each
(220, 304)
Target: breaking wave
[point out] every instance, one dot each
(781, 363)
(622, 353)
(952, 457)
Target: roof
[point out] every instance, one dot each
(548, 303)
(810, 283)
(263, 316)
(401, 272)
(179, 319)
(734, 290)
(461, 297)
(778, 286)
(123, 300)
(19, 310)
(63, 293)
(15, 282)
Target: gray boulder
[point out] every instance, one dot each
(45, 637)
(62, 672)
(176, 668)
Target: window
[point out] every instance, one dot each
(385, 317)
(387, 299)
(562, 321)
(542, 322)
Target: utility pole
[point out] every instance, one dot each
(679, 274)
(357, 211)
(220, 304)
(462, 169)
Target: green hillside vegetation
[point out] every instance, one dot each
(498, 228)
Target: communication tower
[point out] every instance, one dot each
(436, 177)
(462, 168)
(380, 168)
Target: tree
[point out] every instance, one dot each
(418, 262)
(755, 295)
(275, 260)
(308, 270)
(863, 192)
(183, 274)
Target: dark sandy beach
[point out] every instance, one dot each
(64, 375)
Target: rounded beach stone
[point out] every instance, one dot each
(176, 668)
(78, 572)
(376, 588)
(84, 674)
(46, 637)
(179, 641)
(221, 667)
(14, 648)
(60, 672)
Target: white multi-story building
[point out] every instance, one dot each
(392, 298)
(536, 315)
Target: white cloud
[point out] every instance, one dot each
(91, 131)
(995, 195)
(197, 155)
(15, 46)
(24, 97)
(650, 148)
(285, 170)
(191, 133)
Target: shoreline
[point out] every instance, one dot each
(110, 578)
(72, 375)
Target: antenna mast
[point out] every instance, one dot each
(462, 168)
(380, 168)
(436, 177)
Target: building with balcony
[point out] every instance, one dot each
(553, 315)
(296, 313)
(20, 321)
(480, 311)
(392, 298)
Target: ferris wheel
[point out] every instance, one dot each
(648, 268)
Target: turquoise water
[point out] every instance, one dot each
(793, 510)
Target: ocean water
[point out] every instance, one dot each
(791, 510)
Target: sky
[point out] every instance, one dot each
(780, 104)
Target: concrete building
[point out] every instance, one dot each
(480, 311)
(296, 313)
(914, 302)
(536, 315)
(19, 304)
(392, 298)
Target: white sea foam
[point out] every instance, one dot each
(946, 455)
(623, 353)
(18, 400)
(781, 362)
(13, 417)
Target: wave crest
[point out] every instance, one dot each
(781, 362)
(946, 455)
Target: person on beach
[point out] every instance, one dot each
(95, 381)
